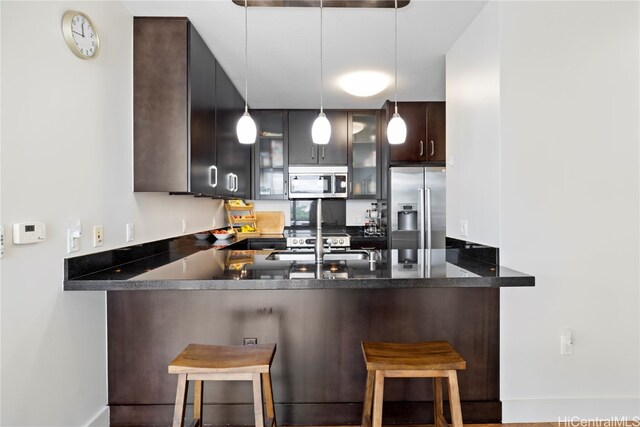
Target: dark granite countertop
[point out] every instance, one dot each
(188, 264)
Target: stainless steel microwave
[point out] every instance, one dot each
(313, 182)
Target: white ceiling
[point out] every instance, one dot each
(284, 47)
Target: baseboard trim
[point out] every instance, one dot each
(100, 419)
(305, 414)
(566, 410)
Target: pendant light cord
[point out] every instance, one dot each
(321, 82)
(246, 60)
(396, 54)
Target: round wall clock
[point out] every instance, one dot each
(81, 34)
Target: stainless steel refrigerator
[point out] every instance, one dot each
(417, 202)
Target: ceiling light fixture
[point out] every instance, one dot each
(321, 129)
(246, 127)
(357, 127)
(397, 129)
(364, 83)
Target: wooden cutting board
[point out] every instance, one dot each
(270, 222)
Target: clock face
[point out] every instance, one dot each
(81, 35)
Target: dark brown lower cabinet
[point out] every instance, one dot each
(318, 372)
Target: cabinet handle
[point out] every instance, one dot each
(312, 154)
(421, 148)
(350, 187)
(433, 150)
(213, 169)
(230, 182)
(236, 180)
(285, 187)
(323, 151)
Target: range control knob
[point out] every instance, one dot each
(334, 241)
(294, 241)
(341, 241)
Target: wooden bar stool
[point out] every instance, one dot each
(435, 360)
(224, 363)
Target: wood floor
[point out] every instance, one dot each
(576, 423)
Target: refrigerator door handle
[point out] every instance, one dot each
(428, 216)
(421, 216)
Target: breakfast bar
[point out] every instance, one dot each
(161, 296)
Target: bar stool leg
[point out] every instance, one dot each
(454, 399)
(378, 397)
(368, 400)
(438, 410)
(257, 400)
(268, 397)
(181, 400)
(197, 402)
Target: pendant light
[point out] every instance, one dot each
(397, 129)
(321, 129)
(246, 127)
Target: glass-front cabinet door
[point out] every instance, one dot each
(363, 127)
(270, 177)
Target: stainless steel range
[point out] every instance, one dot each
(307, 239)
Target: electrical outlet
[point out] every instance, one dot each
(213, 223)
(1, 241)
(464, 228)
(250, 341)
(566, 343)
(98, 236)
(130, 232)
(184, 225)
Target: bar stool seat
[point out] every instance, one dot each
(200, 362)
(436, 359)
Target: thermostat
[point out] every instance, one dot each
(28, 232)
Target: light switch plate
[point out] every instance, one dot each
(464, 228)
(130, 232)
(74, 232)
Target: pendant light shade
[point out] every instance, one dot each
(246, 127)
(321, 130)
(396, 129)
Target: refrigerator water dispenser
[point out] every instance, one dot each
(407, 217)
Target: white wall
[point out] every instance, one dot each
(569, 206)
(66, 144)
(473, 130)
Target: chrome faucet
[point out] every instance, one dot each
(319, 246)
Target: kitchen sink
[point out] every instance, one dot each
(355, 255)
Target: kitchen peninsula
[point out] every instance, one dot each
(163, 295)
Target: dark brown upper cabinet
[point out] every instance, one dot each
(302, 150)
(233, 158)
(185, 112)
(426, 139)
